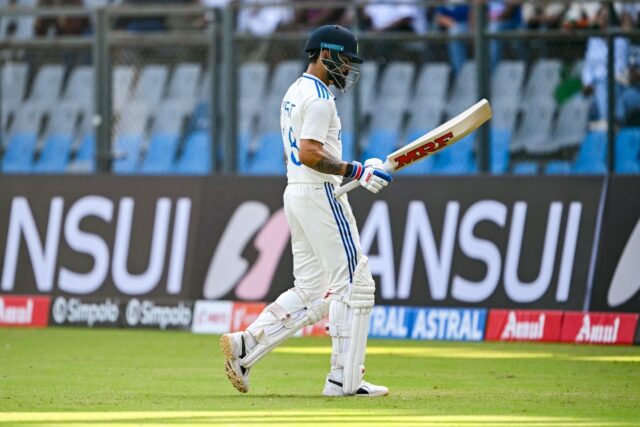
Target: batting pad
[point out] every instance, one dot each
(282, 319)
(359, 304)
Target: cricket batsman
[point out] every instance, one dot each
(331, 273)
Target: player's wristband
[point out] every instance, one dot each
(354, 170)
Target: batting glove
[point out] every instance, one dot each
(370, 176)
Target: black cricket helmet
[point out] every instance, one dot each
(334, 38)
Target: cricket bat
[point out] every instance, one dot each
(431, 142)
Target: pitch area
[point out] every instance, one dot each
(76, 377)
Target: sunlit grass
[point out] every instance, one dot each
(75, 377)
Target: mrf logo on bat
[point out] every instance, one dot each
(422, 151)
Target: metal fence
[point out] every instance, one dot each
(148, 87)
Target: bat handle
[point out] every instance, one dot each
(388, 166)
(346, 188)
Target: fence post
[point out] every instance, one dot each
(483, 79)
(229, 119)
(212, 53)
(611, 98)
(102, 87)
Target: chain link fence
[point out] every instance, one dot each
(193, 90)
(46, 92)
(161, 68)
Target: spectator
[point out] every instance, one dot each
(581, 15)
(62, 25)
(545, 16)
(630, 15)
(594, 70)
(262, 18)
(215, 3)
(454, 18)
(100, 3)
(150, 23)
(628, 107)
(504, 15)
(313, 17)
(628, 112)
(400, 15)
(202, 22)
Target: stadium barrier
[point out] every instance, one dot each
(524, 325)
(24, 311)
(598, 328)
(485, 242)
(390, 322)
(559, 326)
(549, 244)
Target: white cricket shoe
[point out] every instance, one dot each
(334, 389)
(232, 346)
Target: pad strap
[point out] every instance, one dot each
(338, 330)
(270, 336)
(283, 315)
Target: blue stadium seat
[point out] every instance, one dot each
(55, 154)
(244, 151)
(23, 138)
(558, 167)
(499, 154)
(161, 154)
(267, 159)
(457, 160)
(85, 159)
(506, 82)
(86, 154)
(628, 151)
(196, 155)
(525, 168)
(127, 154)
(380, 143)
(431, 86)
(348, 145)
(151, 84)
(47, 85)
(592, 154)
(543, 80)
(19, 155)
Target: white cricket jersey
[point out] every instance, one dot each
(308, 111)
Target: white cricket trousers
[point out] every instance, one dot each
(326, 248)
(324, 238)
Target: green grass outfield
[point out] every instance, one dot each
(82, 377)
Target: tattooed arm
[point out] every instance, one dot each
(312, 155)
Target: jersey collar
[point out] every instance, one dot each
(312, 77)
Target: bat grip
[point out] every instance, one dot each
(387, 166)
(346, 188)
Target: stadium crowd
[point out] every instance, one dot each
(454, 17)
(552, 87)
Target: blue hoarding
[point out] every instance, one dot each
(419, 323)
